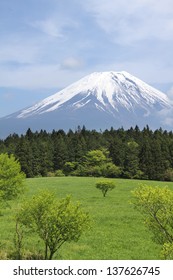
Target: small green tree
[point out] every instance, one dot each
(156, 204)
(11, 177)
(55, 222)
(105, 186)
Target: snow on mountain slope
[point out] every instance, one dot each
(98, 101)
(108, 91)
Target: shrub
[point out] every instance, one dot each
(59, 173)
(105, 186)
(156, 204)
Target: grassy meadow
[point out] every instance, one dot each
(118, 231)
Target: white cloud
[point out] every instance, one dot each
(20, 51)
(170, 93)
(148, 69)
(54, 26)
(46, 75)
(129, 22)
(167, 114)
(38, 76)
(49, 27)
(168, 121)
(71, 63)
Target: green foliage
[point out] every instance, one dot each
(70, 167)
(98, 164)
(110, 170)
(50, 174)
(11, 177)
(55, 222)
(60, 153)
(117, 150)
(167, 251)
(131, 164)
(18, 241)
(59, 173)
(105, 186)
(168, 175)
(95, 158)
(157, 205)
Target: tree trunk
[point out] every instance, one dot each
(46, 252)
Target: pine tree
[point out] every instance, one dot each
(117, 151)
(131, 163)
(157, 160)
(25, 156)
(60, 155)
(146, 159)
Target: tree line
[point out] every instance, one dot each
(132, 153)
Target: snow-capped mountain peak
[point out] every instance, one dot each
(112, 91)
(99, 101)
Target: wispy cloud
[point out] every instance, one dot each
(49, 27)
(38, 76)
(72, 63)
(130, 22)
(16, 50)
(55, 26)
(167, 117)
(170, 93)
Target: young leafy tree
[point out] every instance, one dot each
(97, 163)
(156, 204)
(105, 186)
(55, 222)
(11, 177)
(95, 158)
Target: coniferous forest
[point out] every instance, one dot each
(132, 153)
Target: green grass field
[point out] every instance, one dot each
(118, 231)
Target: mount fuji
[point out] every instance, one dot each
(98, 101)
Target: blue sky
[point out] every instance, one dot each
(48, 44)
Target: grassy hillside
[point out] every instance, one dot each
(117, 232)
